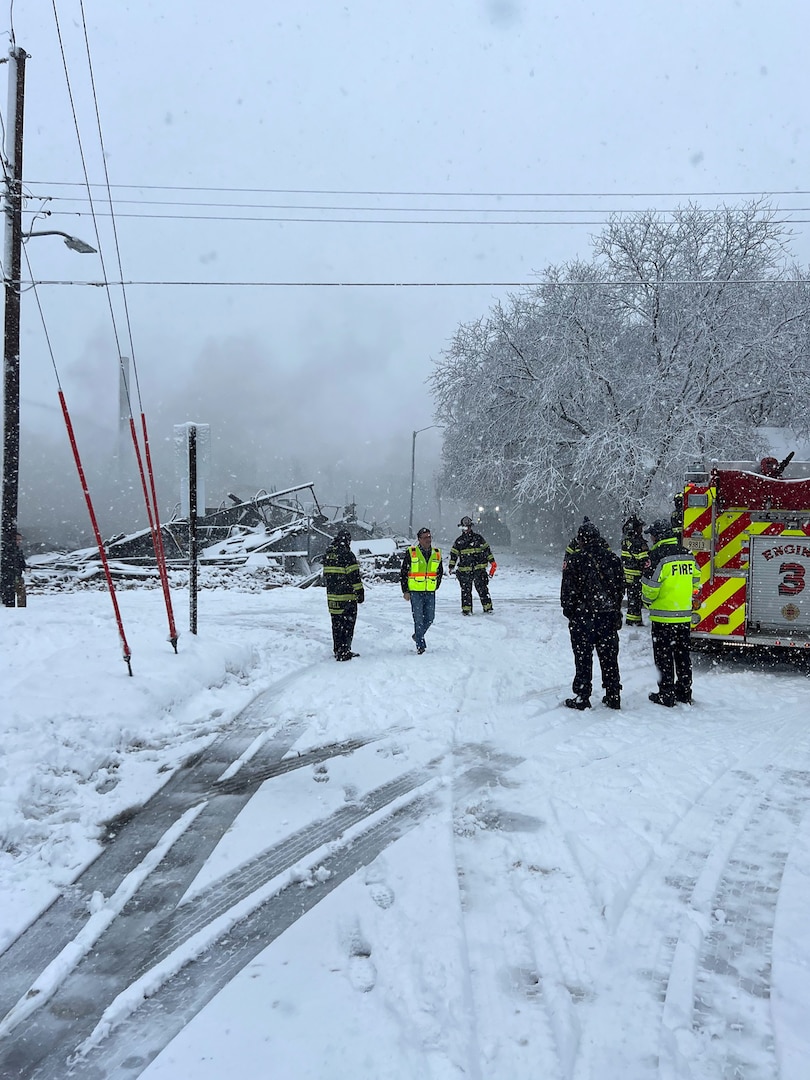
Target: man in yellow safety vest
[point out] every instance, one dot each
(420, 576)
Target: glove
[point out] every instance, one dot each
(493, 566)
(361, 596)
(617, 620)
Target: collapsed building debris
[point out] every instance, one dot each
(277, 536)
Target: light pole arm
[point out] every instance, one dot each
(73, 242)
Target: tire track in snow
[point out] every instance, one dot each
(140, 942)
(226, 774)
(125, 842)
(650, 1006)
(141, 939)
(165, 1012)
(717, 1014)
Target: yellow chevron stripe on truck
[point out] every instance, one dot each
(723, 610)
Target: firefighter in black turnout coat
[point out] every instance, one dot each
(635, 554)
(470, 557)
(344, 591)
(591, 599)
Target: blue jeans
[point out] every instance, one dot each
(423, 606)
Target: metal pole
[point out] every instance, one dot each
(413, 474)
(413, 470)
(11, 335)
(192, 527)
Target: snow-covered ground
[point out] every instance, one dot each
(404, 866)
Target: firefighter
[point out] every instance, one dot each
(591, 599)
(634, 557)
(670, 581)
(344, 591)
(19, 567)
(473, 555)
(676, 517)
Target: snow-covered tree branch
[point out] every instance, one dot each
(591, 391)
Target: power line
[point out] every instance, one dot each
(725, 282)
(717, 211)
(273, 219)
(438, 194)
(114, 227)
(83, 160)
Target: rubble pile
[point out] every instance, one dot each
(272, 539)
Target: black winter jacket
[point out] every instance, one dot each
(592, 580)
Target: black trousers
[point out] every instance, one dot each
(670, 644)
(478, 578)
(343, 630)
(595, 632)
(634, 600)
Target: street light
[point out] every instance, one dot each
(413, 471)
(73, 242)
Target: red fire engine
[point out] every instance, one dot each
(748, 526)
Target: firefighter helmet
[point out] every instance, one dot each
(660, 529)
(466, 522)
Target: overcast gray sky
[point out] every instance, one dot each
(415, 112)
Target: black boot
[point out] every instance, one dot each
(578, 702)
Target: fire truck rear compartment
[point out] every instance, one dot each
(778, 600)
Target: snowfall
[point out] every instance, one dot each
(248, 860)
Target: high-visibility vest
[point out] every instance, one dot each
(422, 575)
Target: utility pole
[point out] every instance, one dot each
(11, 334)
(192, 528)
